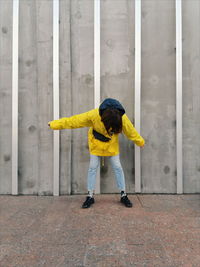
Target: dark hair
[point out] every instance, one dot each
(112, 120)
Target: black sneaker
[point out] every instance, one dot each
(126, 201)
(89, 201)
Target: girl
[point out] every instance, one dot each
(106, 123)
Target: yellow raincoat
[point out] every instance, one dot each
(92, 119)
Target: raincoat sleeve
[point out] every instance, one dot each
(130, 131)
(76, 121)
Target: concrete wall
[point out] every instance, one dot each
(117, 78)
(158, 107)
(5, 95)
(159, 96)
(191, 96)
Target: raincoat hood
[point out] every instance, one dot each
(112, 104)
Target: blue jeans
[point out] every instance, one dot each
(117, 168)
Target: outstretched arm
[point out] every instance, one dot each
(130, 131)
(76, 121)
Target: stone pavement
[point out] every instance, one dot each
(160, 230)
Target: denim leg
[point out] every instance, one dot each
(119, 173)
(92, 172)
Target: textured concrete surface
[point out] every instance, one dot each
(191, 97)
(76, 68)
(117, 78)
(160, 230)
(5, 94)
(82, 89)
(158, 96)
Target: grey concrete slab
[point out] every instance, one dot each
(158, 97)
(82, 60)
(159, 230)
(117, 78)
(191, 97)
(65, 95)
(44, 31)
(5, 95)
(28, 164)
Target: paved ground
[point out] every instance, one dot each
(160, 230)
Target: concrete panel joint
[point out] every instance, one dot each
(179, 96)
(56, 145)
(15, 53)
(137, 91)
(97, 69)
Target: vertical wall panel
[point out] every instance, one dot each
(44, 22)
(56, 100)
(97, 52)
(5, 96)
(179, 142)
(191, 96)
(82, 43)
(117, 78)
(137, 92)
(97, 71)
(15, 91)
(65, 96)
(28, 100)
(158, 96)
